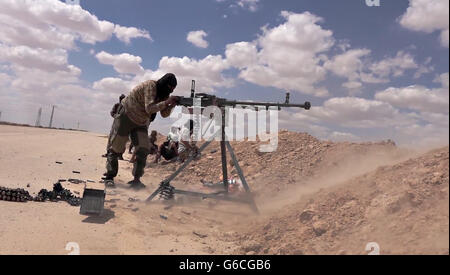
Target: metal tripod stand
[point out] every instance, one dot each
(168, 191)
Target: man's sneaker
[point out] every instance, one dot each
(109, 182)
(136, 184)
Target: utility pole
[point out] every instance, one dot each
(51, 117)
(38, 119)
(0, 115)
(78, 126)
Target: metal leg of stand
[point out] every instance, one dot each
(238, 167)
(223, 151)
(242, 177)
(207, 127)
(185, 164)
(215, 196)
(154, 194)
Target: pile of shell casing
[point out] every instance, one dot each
(17, 195)
(58, 194)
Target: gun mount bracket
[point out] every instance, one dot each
(167, 191)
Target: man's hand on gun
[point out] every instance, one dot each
(172, 101)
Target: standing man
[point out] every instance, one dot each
(113, 113)
(139, 108)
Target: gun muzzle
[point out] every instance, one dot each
(307, 105)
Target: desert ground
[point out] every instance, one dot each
(314, 197)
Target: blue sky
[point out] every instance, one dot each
(371, 72)
(169, 21)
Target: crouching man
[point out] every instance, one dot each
(187, 147)
(139, 109)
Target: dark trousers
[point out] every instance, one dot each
(123, 128)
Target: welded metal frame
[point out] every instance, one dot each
(222, 195)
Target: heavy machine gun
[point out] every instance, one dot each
(211, 100)
(167, 191)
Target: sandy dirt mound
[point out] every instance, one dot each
(314, 196)
(298, 159)
(404, 208)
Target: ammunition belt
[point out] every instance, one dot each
(18, 195)
(58, 194)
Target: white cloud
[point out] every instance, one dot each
(428, 16)
(37, 82)
(428, 136)
(111, 84)
(344, 45)
(16, 32)
(46, 14)
(125, 34)
(288, 57)
(371, 78)
(429, 127)
(424, 68)
(51, 61)
(340, 137)
(303, 123)
(31, 89)
(241, 54)
(395, 66)
(369, 120)
(357, 67)
(353, 86)
(35, 37)
(208, 72)
(123, 63)
(443, 79)
(52, 24)
(417, 98)
(349, 65)
(251, 5)
(5, 79)
(358, 113)
(445, 38)
(197, 38)
(438, 119)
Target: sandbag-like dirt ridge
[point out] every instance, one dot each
(404, 208)
(298, 158)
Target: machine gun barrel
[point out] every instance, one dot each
(306, 105)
